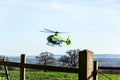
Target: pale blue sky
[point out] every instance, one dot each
(95, 25)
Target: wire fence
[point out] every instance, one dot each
(108, 74)
(104, 75)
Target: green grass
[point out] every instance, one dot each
(14, 75)
(50, 76)
(109, 77)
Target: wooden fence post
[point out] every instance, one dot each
(85, 65)
(6, 70)
(95, 70)
(22, 69)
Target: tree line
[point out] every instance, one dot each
(70, 59)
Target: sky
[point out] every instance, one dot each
(92, 24)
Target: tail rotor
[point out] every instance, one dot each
(68, 41)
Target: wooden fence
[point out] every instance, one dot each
(87, 67)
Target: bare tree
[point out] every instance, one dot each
(46, 58)
(71, 59)
(63, 60)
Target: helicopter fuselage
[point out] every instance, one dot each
(55, 40)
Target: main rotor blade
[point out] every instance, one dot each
(45, 31)
(50, 30)
(54, 31)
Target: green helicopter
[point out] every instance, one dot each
(56, 39)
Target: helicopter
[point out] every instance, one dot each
(56, 39)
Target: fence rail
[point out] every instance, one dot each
(40, 67)
(111, 68)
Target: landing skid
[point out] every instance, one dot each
(51, 44)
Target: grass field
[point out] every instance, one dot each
(14, 75)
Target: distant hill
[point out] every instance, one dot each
(106, 55)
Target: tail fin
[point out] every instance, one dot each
(68, 41)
